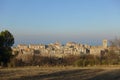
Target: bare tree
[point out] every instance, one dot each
(115, 43)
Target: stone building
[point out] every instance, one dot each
(36, 46)
(56, 49)
(98, 50)
(22, 46)
(105, 43)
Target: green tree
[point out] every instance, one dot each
(7, 38)
(6, 41)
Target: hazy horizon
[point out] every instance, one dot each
(47, 21)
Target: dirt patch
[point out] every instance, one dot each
(59, 73)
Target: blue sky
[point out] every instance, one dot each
(45, 21)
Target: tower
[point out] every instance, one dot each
(105, 43)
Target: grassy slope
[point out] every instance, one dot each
(60, 73)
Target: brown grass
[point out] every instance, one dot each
(61, 73)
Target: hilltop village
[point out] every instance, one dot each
(58, 50)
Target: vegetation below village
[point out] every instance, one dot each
(111, 58)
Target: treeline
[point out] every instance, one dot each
(111, 58)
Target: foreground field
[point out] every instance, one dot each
(60, 73)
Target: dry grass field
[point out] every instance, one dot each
(60, 73)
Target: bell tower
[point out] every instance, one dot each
(105, 43)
